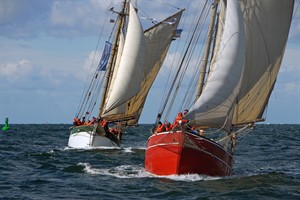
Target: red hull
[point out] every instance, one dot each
(185, 153)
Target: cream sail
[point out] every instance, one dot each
(267, 26)
(242, 76)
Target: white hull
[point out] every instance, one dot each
(86, 140)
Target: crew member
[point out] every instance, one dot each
(160, 127)
(179, 118)
(168, 126)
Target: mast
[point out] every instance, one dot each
(113, 57)
(207, 49)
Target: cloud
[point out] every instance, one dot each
(13, 71)
(292, 89)
(23, 75)
(89, 66)
(291, 60)
(29, 19)
(23, 19)
(82, 18)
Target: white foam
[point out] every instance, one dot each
(128, 150)
(189, 177)
(131, 171)
(90, 148)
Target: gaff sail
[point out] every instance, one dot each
(265, 22)
(157, 42)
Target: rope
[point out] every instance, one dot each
(182, 69)
(92, 91)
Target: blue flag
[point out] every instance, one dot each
(105, 57)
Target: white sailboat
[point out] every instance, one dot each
(133, 60)
(245, 57)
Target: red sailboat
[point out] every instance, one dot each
(182, 152)
(233, 88)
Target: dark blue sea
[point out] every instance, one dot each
(35, 163)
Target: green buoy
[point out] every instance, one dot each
(5, 127)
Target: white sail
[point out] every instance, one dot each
(120, 108)
(131, 70)
(223, 83)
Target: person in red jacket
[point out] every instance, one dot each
(160, 127)
(180, 118)
(168, 126)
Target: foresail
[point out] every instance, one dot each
(158, 39)
(131, 70)
(267, 26)
(214, 106)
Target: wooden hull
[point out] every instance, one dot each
(83, 137)
(180, 152)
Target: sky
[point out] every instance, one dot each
(47, 48)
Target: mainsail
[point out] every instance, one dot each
(223, 83)
(127, 95)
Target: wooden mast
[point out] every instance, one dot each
(109, 73)
(207, 50)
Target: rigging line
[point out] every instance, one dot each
(193, 83)
(189, 94)
(144, 14)
(93, 82)
(90, 91)
(190, 32)
(173, 60)
(96, 95)
(188, 54)
(296, 10)
(165, 3)
(81, 99)
(121, 21)
(180, 66)
(186, 66)
(174, 81)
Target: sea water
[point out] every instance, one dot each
(35, 163)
